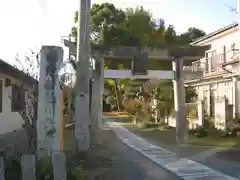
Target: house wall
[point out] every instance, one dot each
(224, 87)
(223, 42)
(221, 86)
(9, 121)
(225, 39)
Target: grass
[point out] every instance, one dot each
(166, 135)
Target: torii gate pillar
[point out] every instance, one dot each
(179, 102)
(97, 100)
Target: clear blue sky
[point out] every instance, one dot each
(31, 23)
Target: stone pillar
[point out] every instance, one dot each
(101, 84)
(28, 167)
(200, 111)
(208, 100)
(2, 169)
(221, 113)
(48, 121)
(179, 102)
(235, 97)
(96, 105)
(59, 166)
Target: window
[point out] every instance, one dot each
(1, 94)
(18, 98)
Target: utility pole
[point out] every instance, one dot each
(82, 113)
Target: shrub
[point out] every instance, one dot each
(12, 169)
(233, 127)
(208, 122)
(168, 127)
(150, 125)
(44, 170)
(199, 132)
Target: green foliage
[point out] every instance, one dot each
(151, 125)
(51, 131)
(191, 94)
(199, 132)
(111, 26)
(233, 126)
(12, 169)
(44, 170)
(208, 122)
(192, 34)
(75, 174)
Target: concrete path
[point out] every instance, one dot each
(184, 168)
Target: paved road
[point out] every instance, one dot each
(182, 167)
(131, 165)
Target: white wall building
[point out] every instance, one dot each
(13, 87)
(221, 68)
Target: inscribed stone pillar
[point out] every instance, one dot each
(48, 123)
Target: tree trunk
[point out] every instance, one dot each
(117, 93)
(158, 119)
(145, 109)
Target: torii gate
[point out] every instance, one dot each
(139, 70)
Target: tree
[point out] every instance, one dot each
(111, 26)
(104, 20)
(139, 23)
(170, 35)
(156, 37)
(28, 111)
(163, 93)
(191, 35)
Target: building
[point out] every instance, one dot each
(220, 68)
(13, 87)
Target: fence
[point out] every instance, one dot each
(28, 167)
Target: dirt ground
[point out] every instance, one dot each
(112, 160)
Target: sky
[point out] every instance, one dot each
(28, 24)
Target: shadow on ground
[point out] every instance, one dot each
(231, 155)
